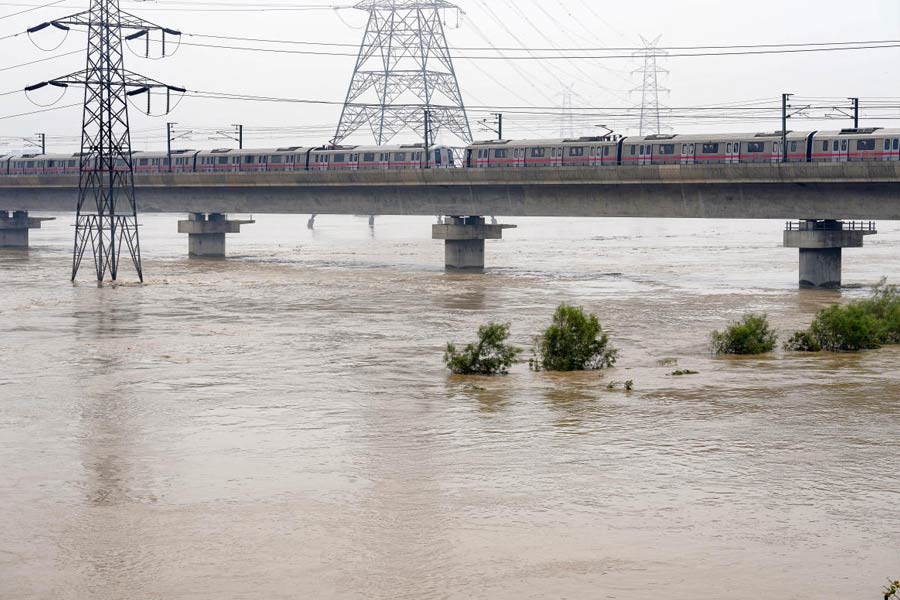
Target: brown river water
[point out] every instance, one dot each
(280, 424)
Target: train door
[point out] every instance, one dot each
(891, 149)
(645, 152)
(687, 154)
(733, 152)
(840, 150)
(776, 152)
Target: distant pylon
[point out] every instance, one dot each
(106, 217)
(404, 69)
(567, 124)
(650, 121)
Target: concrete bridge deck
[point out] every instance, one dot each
(869, 190)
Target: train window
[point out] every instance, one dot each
(249, 160)
(605, 150)
(400, 156)
(437, 157)
(632, 149)
(368, 157)
(793, 146)
(667, 148)
(593, 151)
(728, 148)
(538, 152)
(72, 163)
(223, 160)
(865, 144)
(552, 152)
(143, 162)
(339, 158)
(275, 160)
(843, 145)
(576, 151)
(825, 146)
(756, 146)
(499, 153)
(710, 148)
(835, 146)
(887, 144)
(641, 150)
(896, 144)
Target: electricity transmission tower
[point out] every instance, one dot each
(567, 117)
(106, 218)
(403, 72)
(650, 120)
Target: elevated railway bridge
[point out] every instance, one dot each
(830, 206)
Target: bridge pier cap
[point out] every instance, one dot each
(206, 233)
(14, 227)
(464, 238)
(821, 245)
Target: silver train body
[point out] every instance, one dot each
(846, 145)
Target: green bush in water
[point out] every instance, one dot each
(884, 305)
(860, 325)
(750, 335)
(802, 341)
(848, 328)
(491, 355)
(574, 341)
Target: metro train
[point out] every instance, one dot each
(846, 145)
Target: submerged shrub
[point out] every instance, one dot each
(884, 305)
(750, 335)
(860, 325)
(489, 356)
(848, 328)
(802, 341)
(575, 341)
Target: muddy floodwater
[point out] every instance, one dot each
(280, 424)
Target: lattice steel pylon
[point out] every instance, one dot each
(404, 69)
(106, 216)
(650, 121)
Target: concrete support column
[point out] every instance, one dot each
(206, 233)
(464, 241)
(14, 228)
(821, 244)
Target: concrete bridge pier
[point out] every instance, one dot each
(821, 244)
(464, 241)
(206, 233)
(14, 228)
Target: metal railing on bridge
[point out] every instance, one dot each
(866, 227)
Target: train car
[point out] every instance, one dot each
(231, 160)
(43, 164)
(713, 149)
(862, 144)
(183, 161)
(575, 152)
(4, 164)
(368, 158)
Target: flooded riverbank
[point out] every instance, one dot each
(280, 424)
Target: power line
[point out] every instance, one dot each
(569, 49)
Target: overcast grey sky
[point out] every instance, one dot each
(537, 23)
